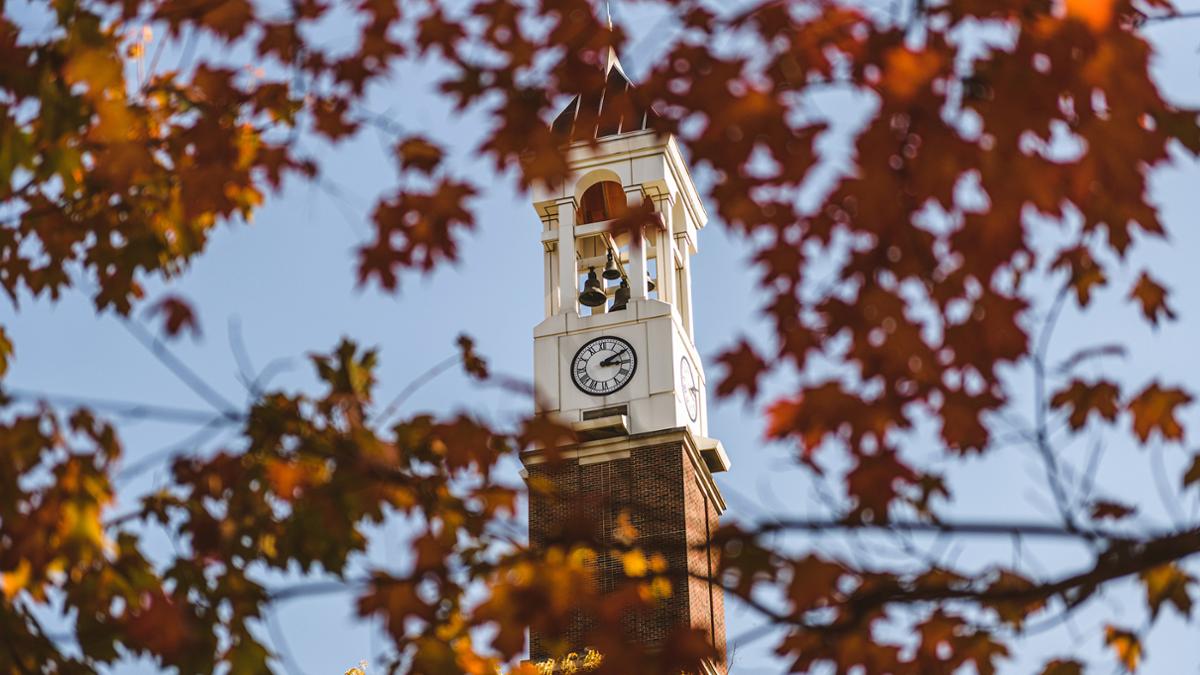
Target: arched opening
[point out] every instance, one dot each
(603, 201)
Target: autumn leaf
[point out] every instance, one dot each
(1083, 399)
(1167, 584)
(160, 625)
(1085, 274)
(1063, 667)
(1110, 510)
(473, 363)
(177, 315)
(1154, 409)
(1192, 475)
(419, 153)
(907, 71)
(743, 368)
(1153, 299)
(1127, 646)
(1096, 14)
(6, 351)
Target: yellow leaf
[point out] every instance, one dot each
(1127, 646)
(1167, 583)
(11, 583)
(635, 563)
(96, 69)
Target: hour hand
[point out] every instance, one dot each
(613, 360)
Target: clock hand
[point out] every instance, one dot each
(612, 360)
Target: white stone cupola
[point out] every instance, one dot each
(620, 360)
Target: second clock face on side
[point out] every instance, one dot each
(603, 366)
(688, 388)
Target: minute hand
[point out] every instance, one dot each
(613, 360)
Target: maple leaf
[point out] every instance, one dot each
(1101, 397)
(161, 625)
(1085, 274)
(418, 153)
(907, 71)
(875, 481)
(474, 364)
(1167, 583)
(743, 367)
(1127, 646)
(1096, 14)
(177, 314)
(1154, 410)
(1153, 299)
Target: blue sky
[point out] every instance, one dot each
(287, 282)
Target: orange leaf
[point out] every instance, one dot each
(1154, 410)
(1127, 646)
(906, 71)
(1097, 14)
(1167, 583)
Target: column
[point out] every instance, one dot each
(568, 272)
(637, 252)
(551, 275)
(685, 293)
(666, 255)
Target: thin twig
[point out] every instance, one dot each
(181, 370)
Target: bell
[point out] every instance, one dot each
(593, 294)
(649, 284)
(621, 297)
(610, 270)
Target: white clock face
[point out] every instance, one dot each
(688, 388)
(603, 366)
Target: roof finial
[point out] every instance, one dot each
(611, 59)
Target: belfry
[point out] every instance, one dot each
(615, 357)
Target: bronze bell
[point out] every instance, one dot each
(593, 293)
(621, 297)
(610, 270)
(649, 284)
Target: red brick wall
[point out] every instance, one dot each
(658, 487)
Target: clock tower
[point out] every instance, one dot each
(615, 358)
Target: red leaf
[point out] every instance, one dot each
(1083, 399)
(743, 367)
(1084, 272)
(1111, 510)
(418, 153)
(177, 315)
(874, 483)
(1153, 298)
